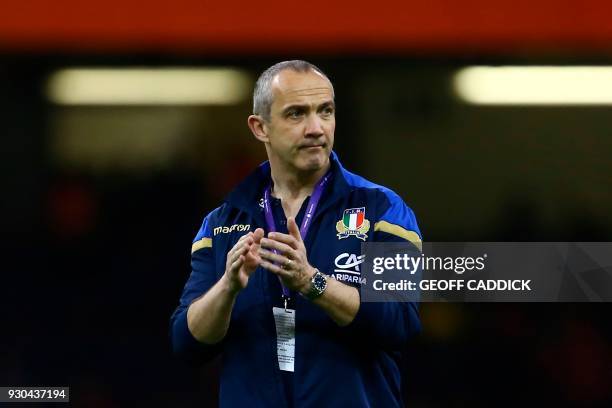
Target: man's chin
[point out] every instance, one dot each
(310, 160)
(313, 164)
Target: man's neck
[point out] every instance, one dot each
(295, 186)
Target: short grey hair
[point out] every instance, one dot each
(262, 95)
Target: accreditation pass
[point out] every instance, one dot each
(285, 337)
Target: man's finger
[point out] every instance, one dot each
(284, 238)
(239, 252)
(239, 244)
(279, 246)
(243, 237)
(252, 259)
(246, 238)
(237, 263)
(294, 230)
(232, 251)
(272, 257)
(277, 270)
(258, 235)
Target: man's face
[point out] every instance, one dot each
(302, 120)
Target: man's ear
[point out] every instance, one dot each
(258, 127)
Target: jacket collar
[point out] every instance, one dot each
(249, 192)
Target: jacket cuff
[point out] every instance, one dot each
(188, 347)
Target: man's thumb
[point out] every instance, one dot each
(258, 235)
(294, 231)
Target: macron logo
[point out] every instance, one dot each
(235, 227)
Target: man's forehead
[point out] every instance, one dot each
(289, 83)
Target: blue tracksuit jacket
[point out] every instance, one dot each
(352, 366)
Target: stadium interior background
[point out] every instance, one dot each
(100, 202)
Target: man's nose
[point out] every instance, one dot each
(314, 126)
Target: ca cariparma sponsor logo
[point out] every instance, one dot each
(347, 268)
(235, 227)
(353, 223)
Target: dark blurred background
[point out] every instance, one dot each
(102, 199)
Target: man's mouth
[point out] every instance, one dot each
(308, 147)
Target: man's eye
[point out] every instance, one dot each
(294, 114)
(328, 111)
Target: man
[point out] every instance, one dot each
(275, 269)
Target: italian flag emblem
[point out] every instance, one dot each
(353, 218)
(353, 223)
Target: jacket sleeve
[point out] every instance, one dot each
(391, 324)
(203, 277)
